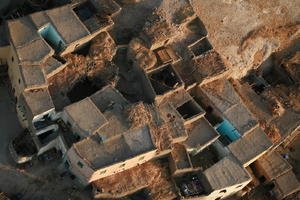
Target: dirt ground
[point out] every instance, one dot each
(42, 181)
(153, 175)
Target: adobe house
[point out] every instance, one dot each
(219, 181)
(179, 160)
(114, 108)
(37, 106)
(170, 115)
(200, 135)
(102, 116)
(95, 15)
(225, 178)
(91, 160)
(37, 113)
(251, 147)
(276, 171)
(201, 65)
(166, 55)
(232, 119)
(267, 172)
(184, 104)
(196, 31)
(217, 67)
(285, 185)
(83, 117)
(38, 40)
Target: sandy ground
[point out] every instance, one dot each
(231, 22)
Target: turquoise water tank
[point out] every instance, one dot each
(227, 129)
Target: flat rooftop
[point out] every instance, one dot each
(52, 66)
(116, 149)
(86, 116)
(286, 184)
(117, 123)
(108, 96)
(38, 101)
(175, 121)
(273, 165)
(241, 118)
(34, 52)
(114, 107)
(225, 173)
(221, 95)
(22, 31)
(30, 47)
(33, 76)
(200, 135)
(251, 146)
(67, 24)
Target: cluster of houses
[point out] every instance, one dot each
(189, 111)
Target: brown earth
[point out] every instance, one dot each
(152, 175)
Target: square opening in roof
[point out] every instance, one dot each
(52, 37)
(85, 11)
(189, 110)
(190, 185)
(84, 88)
(164, 80)
(201, 47)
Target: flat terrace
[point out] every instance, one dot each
(272, 165)
(200, 135)
(85, 115)
(37, 101)
(225, 173)
(220, 95)
(251, 147)
(179, 159)
(116, 149)
(153, 175)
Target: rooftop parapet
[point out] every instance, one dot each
(200, 135)
(84, 117)
(251, 147)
